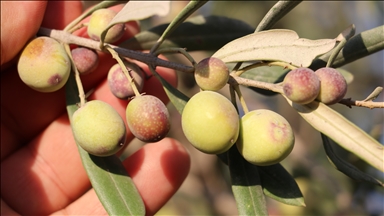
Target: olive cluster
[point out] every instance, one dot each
(303, 85)
(212, 124)
(44, 65)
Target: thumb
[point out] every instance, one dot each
(19, 22)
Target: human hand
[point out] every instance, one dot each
(41, 170)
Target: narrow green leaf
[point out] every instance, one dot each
(197, 33)
(359, 46)
(138, 10)
(269, 74)
(345, 167)
(188, 10)
(246, 185)
(280, 185)
(275, 45)
(342, 131)
(114, 188)
(278, 11)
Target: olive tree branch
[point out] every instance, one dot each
(369, 104)
(146, 58)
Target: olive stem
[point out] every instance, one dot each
(77, 75)
(369, 104)
(177, 50)
(233, 97)
(241, 98)
(343, 37)
(124, 69)
(79, 26)
(146, 58)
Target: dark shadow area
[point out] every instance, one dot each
(197, 33)
(242, 172)
(279, 182)
(306, 108)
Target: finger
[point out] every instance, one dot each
(60, 13)
(19, 22)
(157, 170)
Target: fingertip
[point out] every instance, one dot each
(21, 19)
(58, 14)
(158, 170)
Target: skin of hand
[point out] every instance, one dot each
(41, 170)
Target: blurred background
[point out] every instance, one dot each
(207, 189)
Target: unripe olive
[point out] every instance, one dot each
(333, 85)
(99, 21)
(301, 85)
(98, 128)
(211, 74)
(86, 60)
(119, 84)
(265, 138)
(44, 65)
(210, 122)
(148, 118)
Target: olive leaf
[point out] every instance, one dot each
(112, 184)
(359, 46)
(138, 10)
(196, 33)
(275, 45)
(246, 185)
(269, 74)
(345, 167)
(342, 131)
(188, 10)
(280, 185)
(278, 11)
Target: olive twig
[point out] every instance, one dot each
(241, 98)
(374, 94)
(343, 37)
(233, 97)
(77, 75)
(146, 58)
(176, 50)
(369, 104)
